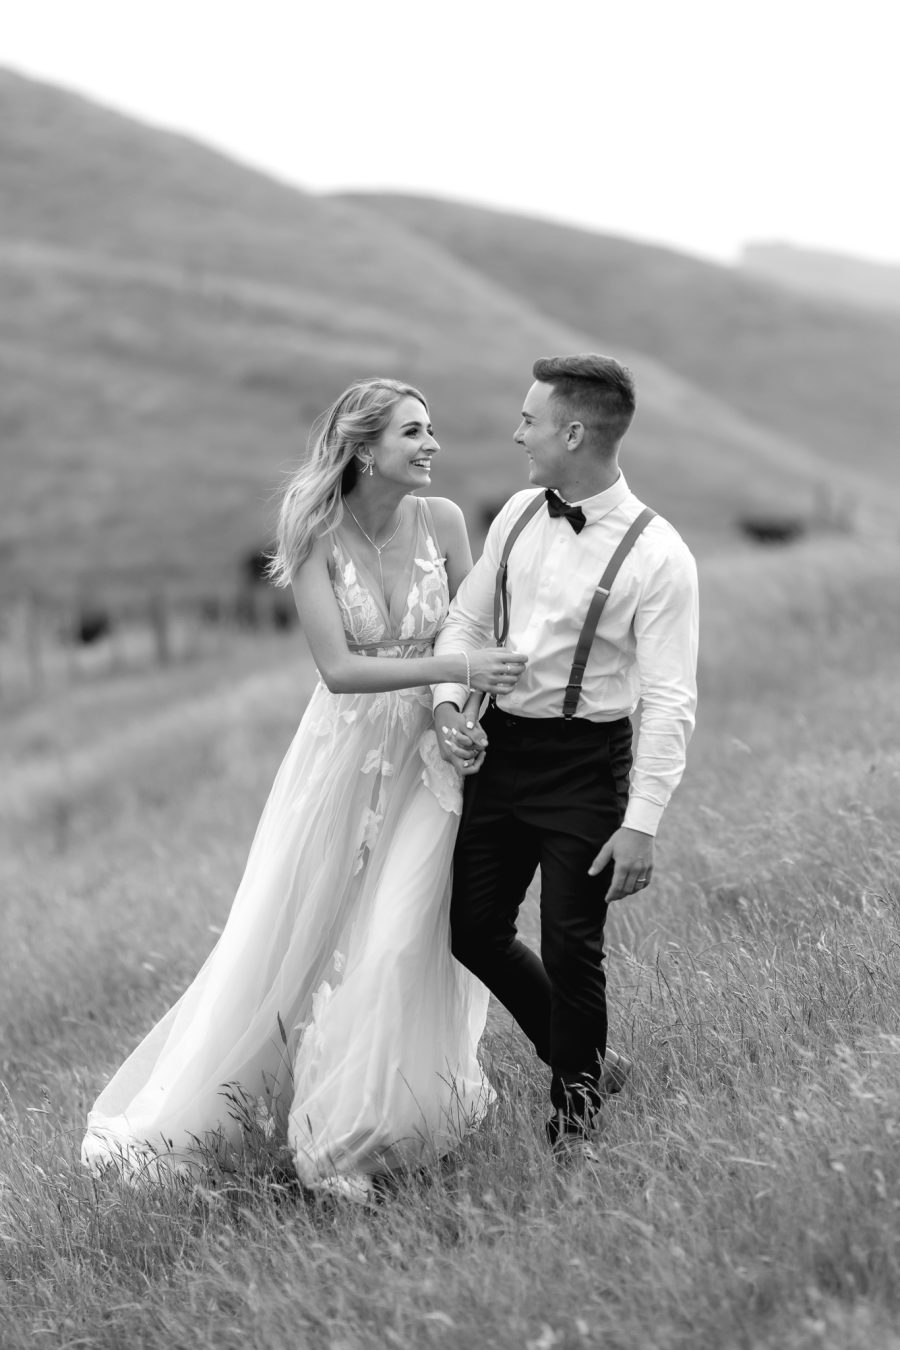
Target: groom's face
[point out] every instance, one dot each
(543, 437)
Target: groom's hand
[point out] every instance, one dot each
(460, 739)
(632, 853)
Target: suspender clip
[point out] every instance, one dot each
(570, 702)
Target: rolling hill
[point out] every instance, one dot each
(813, 371)
(171, 322)
(834, 276)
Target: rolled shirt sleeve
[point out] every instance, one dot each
(666, 628)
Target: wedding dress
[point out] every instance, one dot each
(330, 1007)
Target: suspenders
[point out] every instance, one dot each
(595, 608)
(501, 599)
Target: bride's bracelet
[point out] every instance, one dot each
(465, 657)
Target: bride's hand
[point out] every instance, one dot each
(461, 740)
(495, 670)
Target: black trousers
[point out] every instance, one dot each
(549, 794)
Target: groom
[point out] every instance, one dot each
(601, 595)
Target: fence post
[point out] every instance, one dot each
(34, 652)
(160, 624)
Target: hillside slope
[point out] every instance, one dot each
(171, 322)
(816, 372)
(834, 276)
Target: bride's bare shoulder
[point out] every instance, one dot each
(445, 513)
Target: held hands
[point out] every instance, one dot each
(461, 740)
(495, 670)
(632, 853)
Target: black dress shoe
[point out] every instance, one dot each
(615, 1073)
(562, 1129)
(570, 1141)
(572, 1150)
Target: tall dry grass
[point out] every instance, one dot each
(747, 1191)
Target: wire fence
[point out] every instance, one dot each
(46, 645)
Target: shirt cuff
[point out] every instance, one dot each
(449, 693)
(642, 815)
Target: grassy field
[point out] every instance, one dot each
(748, 1189)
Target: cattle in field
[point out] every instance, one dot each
(772, 529)
(254, 565)
(258, 604)
(92, 623)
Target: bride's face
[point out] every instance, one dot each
(406, 448)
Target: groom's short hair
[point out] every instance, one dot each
(594, 390)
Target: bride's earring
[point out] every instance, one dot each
(368, 463)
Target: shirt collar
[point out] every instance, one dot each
(600, 505)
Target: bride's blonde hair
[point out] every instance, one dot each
(312, 504)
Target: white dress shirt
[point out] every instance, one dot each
(645, 648)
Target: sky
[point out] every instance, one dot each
(702, 124)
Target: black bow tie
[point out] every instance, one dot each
(573, 514)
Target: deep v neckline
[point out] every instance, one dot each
(387, 606)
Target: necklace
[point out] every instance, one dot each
(379, 548)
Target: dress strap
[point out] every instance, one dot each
(426, 519)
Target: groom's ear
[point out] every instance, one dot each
(574, 435)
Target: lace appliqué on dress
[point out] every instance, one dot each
(427, 601)
(441, 779)
(361, 618)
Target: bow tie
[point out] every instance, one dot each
(573, 514)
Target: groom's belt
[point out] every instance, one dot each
(595, 608)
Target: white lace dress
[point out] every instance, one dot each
(331, 1006)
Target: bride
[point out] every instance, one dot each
(331, 1003)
